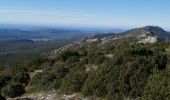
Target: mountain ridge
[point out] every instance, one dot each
(157, 31)
(147, 34)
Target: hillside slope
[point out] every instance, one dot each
(111, 67)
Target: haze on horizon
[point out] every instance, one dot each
(91, 13)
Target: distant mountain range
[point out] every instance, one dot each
(143, 34)
(43, 34)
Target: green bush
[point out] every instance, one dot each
(96, 58)
(4, 80)
(96, 83)
(139, 51)
(13, 90)
(22, 77)
(73, 81)
(125, 74)
(49, 79)
(72, 59)
(158, 87)
(64, 56)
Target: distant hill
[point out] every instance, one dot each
(153, 31)
(51, 34)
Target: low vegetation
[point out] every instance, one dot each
(133, 71)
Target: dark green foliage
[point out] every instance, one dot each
(125, 75)
(95, 85)
(13, 90)
(158, 86)
(138, 51)
(59, 73)
(161, 61)
(4, 79)
(50, 78)
(22, 77)
(38, 63)
(13, 81)
(135, 71)
(73, 81)
(2, 98)
(72, 59)
(96, 58)
(35, 63)
(64, 56)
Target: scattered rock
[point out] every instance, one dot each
(90, 67)
(109, 55)
(32, 74)
(149, 39)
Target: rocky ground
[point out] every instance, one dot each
(53, 95)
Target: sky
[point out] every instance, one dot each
(91, 13)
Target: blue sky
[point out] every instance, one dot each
(91, 13)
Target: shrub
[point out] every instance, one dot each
(139, 51)
(22, 77)
(72, 59)
(49, 79)
(13, 90)
(73, 81)
(64, 56)
(96, 83)
(96, 58)
(4, 79)
(158, 87)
